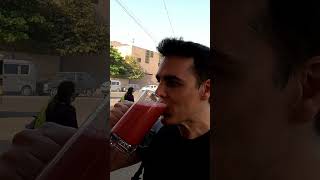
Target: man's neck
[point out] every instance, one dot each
(302, 161)
(197, 125)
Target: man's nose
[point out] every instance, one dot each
(161, 90)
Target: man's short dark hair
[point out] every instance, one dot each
(199, 53)
(295, 29)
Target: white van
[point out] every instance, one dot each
(18, 76)
(115, 85)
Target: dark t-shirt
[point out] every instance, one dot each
(170, 156)
(129, 97)
(61, 113)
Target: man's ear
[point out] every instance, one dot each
(205, 89)
(309, 104)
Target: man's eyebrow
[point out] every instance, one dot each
(170, 78)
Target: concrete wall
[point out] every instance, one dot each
(125, 50)
(96, 65)
(146, 80)
(150, 68)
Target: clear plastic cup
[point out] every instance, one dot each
(86, 154)
(130, 130)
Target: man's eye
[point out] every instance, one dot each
(172, 84)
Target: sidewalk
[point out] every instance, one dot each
(124, 173)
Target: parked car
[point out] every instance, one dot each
(18, 77)
(115, 85)
(149, 87)
(85, 83)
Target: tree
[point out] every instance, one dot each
(135, 71)
(78, 30)
(124, 67)
(20, 21)
(63, 27)
(118, 67)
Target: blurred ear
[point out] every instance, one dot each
(205, 89)
(309, 103)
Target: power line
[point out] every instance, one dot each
(136, 20)
(165, 6)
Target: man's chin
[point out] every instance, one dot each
(167, 121)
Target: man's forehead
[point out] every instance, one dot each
(174, 65)
(176, 62)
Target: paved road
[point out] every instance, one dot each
(124, 173)
(7, 114)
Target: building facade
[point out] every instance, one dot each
(147, 59)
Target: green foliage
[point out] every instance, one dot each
(135, 71)
(124, 67)
(65, 27)
(18, 18)
(77, 31)
(118, 67)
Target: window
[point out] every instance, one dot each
(147, 58)
(11, 69)
(151, 54)
(115, 83)
(24, 69)
(139, 59)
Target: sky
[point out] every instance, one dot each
(190, 20)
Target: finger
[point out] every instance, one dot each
(40, 146)
(25, 164)
(58, 133)
(123, 107)
(7, 172)
(113, 120)
(116, 113)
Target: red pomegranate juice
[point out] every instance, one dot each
(139, 119)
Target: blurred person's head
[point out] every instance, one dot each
(267, 85)
(66, 92)
(130, 90)
(184, 81)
